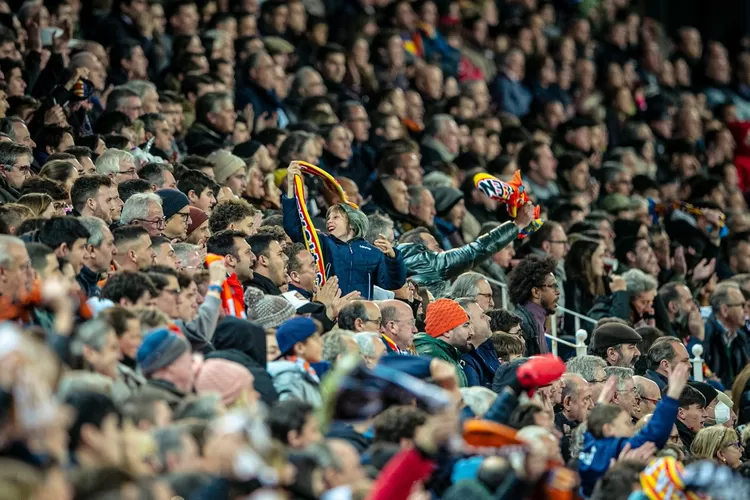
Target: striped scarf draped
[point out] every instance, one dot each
(310, 234)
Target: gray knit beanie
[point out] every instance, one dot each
(269, 311)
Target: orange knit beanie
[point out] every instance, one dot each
(444, 315)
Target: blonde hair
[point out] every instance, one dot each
(150, 318)
(36, 202)
(711, 440)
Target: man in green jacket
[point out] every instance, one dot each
(448, 331)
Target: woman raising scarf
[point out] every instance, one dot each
(358, 264)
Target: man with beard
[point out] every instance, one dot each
(482, 362)
(447, 334)
(534, 290)
(682, 311)
(616, 343)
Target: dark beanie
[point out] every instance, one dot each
(708, 392)
(445, 199)
(625, 228)
(246, 149)
(612, 334)
(172, 201)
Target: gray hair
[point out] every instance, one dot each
(300, 79)
(137, 207)
(436, 124)
(168, 440)
(415, 195)
(585, 366)
(119, 97)
(570, 386)
(379, 224)
(720, 296)
(357, 219)
(109, 162)
(150, 121)
(334, 345)
(365, 342)
(478, 399)
(95, 226)
(203, 407)
(10, 152)
(293, 145)
(182, 250)
(210, 103)
(639, 282)
(139, 87)
(623, 375)
(466, 286)
(7, 241)
(83, 381)
(92, 334)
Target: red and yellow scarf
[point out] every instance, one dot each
(310, 234)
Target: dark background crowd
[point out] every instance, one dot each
(168, 333)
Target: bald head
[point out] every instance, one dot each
(576, 397)
(648, 392)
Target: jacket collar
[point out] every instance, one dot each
(451, 351)
(304, 293)
(88, 276)
(264, 284)
(438, 146)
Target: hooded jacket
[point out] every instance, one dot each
(244, 342)
(292, 381)
(357, 264)
(593, 461)
(440, 349)
(435, 270)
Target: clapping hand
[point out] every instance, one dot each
(642, 454)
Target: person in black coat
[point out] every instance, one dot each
(244, 342)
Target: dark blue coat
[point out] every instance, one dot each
(480, 365)
(357, 264)
(593, 461)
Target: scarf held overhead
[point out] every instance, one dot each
(312, 242)
(512, 193)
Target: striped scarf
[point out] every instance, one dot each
(512, 193)
(305, 366)
(310, 234)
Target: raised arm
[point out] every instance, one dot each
(290, 214)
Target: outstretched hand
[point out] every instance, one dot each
(642, 454)
(384, 246)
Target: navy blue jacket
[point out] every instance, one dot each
(593, 461)
(480, 365)
(357, 264)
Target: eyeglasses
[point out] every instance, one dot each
(185, 217)
(374, 320)
(159, 222)
(654, 401)
(128, 172)
(410, 322)
(553, 286)
(488, 295)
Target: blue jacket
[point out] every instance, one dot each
(481, 364)
(593, 461)
(511, 96)
(357, 264)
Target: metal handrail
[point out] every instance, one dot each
(580, 346)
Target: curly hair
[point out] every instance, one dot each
(529, 273)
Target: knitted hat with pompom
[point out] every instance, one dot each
(269, 311)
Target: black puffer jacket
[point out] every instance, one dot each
(244, 342)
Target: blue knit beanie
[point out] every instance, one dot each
(159, 349)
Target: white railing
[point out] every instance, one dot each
(581, 334)
(697, 362)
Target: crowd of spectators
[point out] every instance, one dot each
(171, 328)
